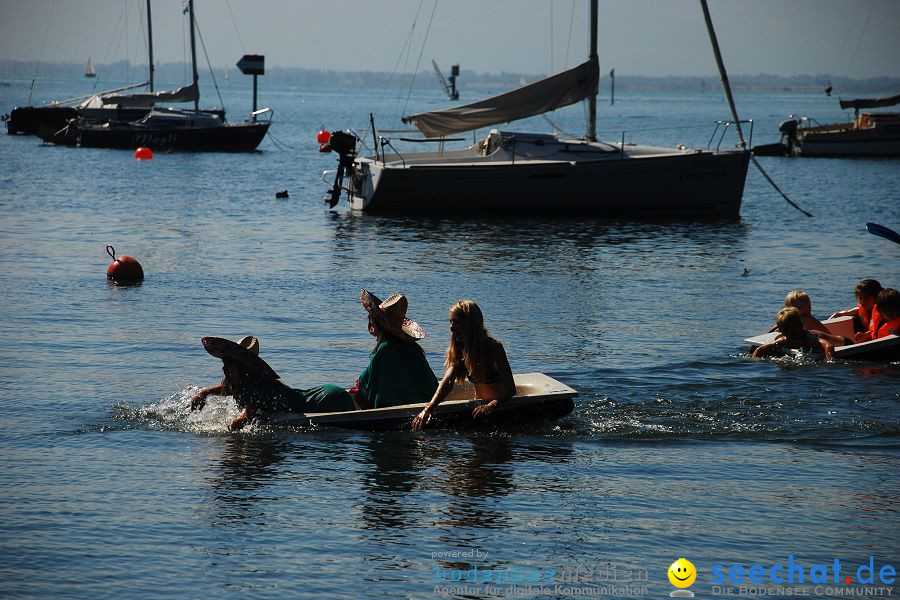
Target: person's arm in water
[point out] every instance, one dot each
(239, 421)
(445, 386)
(199, 399)
(766, 350)
(507, 384)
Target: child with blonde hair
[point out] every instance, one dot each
(802, 302)
(794, 336)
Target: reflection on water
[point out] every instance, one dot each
(247, 465)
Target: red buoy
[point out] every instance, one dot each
(143, 153)
(125, 269)
(324, 139)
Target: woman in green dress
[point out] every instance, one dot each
(398, 372)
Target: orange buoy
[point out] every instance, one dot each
(324, 139)
(143, 153)
(125, 269)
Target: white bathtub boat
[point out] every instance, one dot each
(538, 398)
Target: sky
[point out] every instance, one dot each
(856, 38)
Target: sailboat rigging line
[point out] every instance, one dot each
(419, 61)
(737, 122)
(234, 22)
(723, 75)
(119, 33)
(209, 64)
(569, 42)
(41, 53)
(777, 189)
(403, 50)
(861, 36)
(844, 44)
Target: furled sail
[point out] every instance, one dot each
(557, 91)
(870, 102)
(188, 93)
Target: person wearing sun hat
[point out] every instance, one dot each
(398, 372)
(256, 388)
(223, 389)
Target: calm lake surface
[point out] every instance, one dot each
(679, 445)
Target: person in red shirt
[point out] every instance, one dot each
(888, 305)
(867, 319)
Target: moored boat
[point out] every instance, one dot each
(167, 128)
(527, 172)
(867, 134)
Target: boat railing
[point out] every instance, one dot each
(385, 141)
(724, 125)
(263, 111)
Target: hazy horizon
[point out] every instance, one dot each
(650, 38)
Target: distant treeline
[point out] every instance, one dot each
(179, 72)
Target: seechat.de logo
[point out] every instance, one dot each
(794, 572)
(682, 574)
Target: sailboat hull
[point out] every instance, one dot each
(688, 184)
(239, 137)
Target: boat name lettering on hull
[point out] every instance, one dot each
(148, 139)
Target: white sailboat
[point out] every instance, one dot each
(89, 69)
(527, 172)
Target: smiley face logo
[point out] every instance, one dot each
(682, 573)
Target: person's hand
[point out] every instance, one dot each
(484, 409)
(238, 423)
(199, 400)
(422, 418)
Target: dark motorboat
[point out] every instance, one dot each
(868, 134)
(164, 129)
(167, 128)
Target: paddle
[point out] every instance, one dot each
(881, 230)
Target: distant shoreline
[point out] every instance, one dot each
(123, 71)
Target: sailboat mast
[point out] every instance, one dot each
(592, 102)
(194, 53)
(150, 44)
(723, 75)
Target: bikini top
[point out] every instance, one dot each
(491, 375)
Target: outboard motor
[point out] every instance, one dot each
(788, 129)
(345, 145)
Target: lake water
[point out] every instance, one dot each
(680, 445)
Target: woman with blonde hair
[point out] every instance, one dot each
(475, 355)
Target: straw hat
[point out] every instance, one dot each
(391, 315)
(250, 343)
(228, 350)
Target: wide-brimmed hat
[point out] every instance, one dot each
(228, 350)
(391, 315)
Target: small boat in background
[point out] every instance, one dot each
(886, 348)
(868, 134)
(168, 128)
(89, 69)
